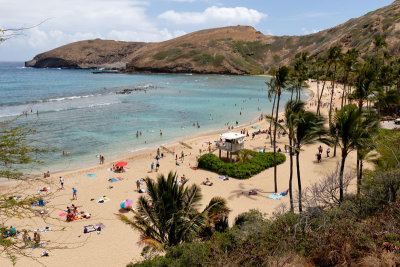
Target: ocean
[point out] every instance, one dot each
(81, 113)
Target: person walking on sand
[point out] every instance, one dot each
(62, 182)
(328, 150)
(157, 165)
(138, 185)
(74, 193)
(152, 166)
(320, 149)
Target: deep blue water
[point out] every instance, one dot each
(81, 113)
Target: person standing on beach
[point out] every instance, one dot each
(74, 193)
(138, 185)
(62, 182)
(157, 165)
(152, 166)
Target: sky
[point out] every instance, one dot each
(65, 21)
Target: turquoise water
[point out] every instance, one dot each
(81, 113)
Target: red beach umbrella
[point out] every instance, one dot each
(121, 164)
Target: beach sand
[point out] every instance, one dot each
(117, 245)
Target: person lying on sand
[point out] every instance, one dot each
(207, 182)
(184, 179)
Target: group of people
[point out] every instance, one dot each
(27, 239)
(319, 154)
(117, 169)
(72, 213)
(46, 174)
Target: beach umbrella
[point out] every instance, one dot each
(126, 204)
(121, 164)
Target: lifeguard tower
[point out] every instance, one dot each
(231, 142)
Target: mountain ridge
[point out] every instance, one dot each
(228, 50)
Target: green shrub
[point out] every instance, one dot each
(161, 55)
(218, 60)
(258, 163)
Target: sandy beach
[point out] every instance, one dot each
(117, 245)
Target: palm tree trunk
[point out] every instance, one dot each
(272, 116)
(320, 97)
(322, 91)
(332, 92)
(361, 174)
(276, 121)
(299, 181)
(335, 146)
(344, 89)
(344, 155)
(358, 173)
(291, 175)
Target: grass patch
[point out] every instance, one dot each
(204, 59)
(258, 163)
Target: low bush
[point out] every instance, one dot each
(258, 163)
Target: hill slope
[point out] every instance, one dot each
(228, 50)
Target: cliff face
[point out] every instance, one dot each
(228, 50)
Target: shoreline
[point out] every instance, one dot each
(117, 244)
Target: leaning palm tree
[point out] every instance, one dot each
(352, 129)
(280, 79)
(169, 214)
(308, 128)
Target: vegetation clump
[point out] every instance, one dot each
(256, 164)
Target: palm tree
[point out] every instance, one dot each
(169, 214)
(364, 82)
(271, 93)
(308, 128)
(280, 80)
(353, 130)
(348, 61)
(334, 55)
(379, 43)
(292, 110)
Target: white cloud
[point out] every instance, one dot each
(75, 20)
(306, 31)
(217, 16)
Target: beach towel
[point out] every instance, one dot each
(120, 178)
(101, 225)
(109, 169)
(193, 168)
(62, 214)
(275, 196)
(91, 175)
(223, 178)
(89, 228)
(112, 180)
(103, 199)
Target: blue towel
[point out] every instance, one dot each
(91, 175)
(112, 180)
(275, 196)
